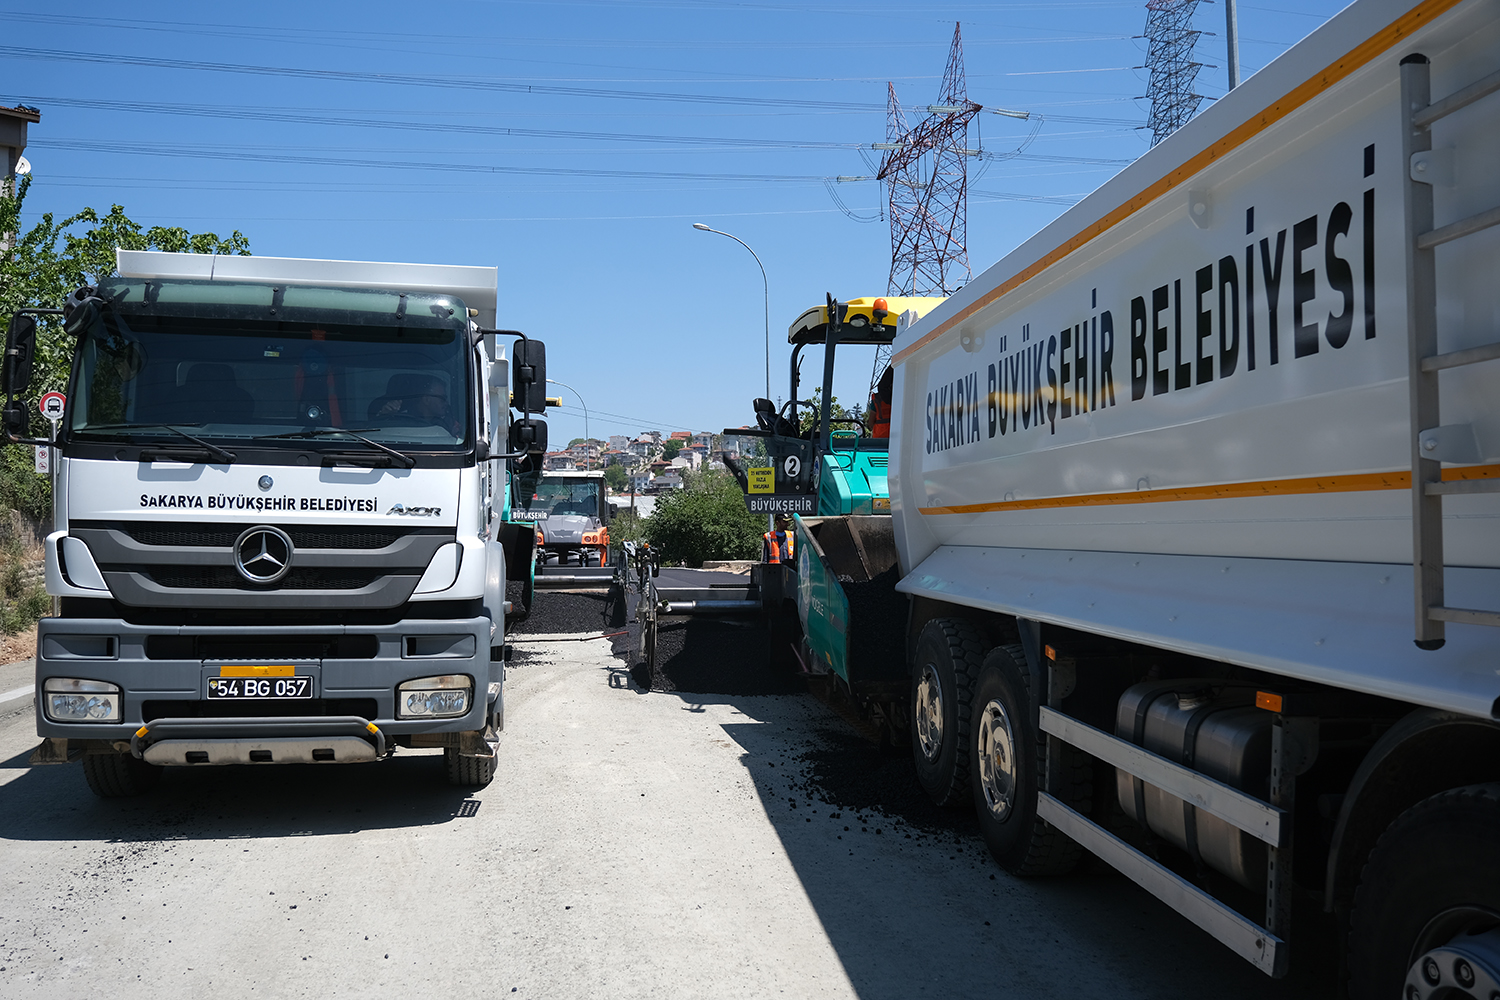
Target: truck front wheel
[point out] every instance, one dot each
(469, 772)
(949, 653)
(1006, 767)
(1426, 917)
(119, 775)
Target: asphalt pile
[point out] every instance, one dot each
(877, 625)
(717, 656)
(850, 773)
(556, 611)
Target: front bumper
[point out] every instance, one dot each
(348, 694)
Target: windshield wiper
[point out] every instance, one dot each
(213, 450)
(404, 459)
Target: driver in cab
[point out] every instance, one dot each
(421, 399)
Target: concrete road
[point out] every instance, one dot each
(633, 845)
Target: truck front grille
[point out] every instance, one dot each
(222, 578)
(224, 535)
(251, 646)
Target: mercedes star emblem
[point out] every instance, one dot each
(266, 482)
(263, 554)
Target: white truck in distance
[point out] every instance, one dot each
(278, 522)
(1203, 578)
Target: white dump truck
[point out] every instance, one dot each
(279, 529)
(1196, 499)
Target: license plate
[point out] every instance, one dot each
(269, 688)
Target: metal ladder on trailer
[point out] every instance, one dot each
(1433, 444)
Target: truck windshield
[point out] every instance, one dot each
(240, 381)
(561, 496)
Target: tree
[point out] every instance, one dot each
(670, 448)
(706, 519)
(39, 270)
(808, 418)
(614, 475)
(626, 526)
(55, 256)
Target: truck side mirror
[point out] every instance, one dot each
(80, 314)
(20, 349)
(529, 435)
(528, 374)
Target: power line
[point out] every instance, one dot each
(460, 83)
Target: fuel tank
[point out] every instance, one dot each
(1211, 728)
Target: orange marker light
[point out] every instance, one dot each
(882, 305)
(1268, 701)
(1051, 653)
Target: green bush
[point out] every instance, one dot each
(706, 519)
(20, 603)
(626, 526)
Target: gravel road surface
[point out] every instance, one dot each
(670, 844)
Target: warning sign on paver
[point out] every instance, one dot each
(762, 480)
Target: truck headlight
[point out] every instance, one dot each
(441, 697)
(72, 699)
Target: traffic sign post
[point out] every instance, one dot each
(51, 405)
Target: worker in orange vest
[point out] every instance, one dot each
(880, 406)
(778, 546)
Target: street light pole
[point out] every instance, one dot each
(764, 282)
(1232, 22)
(586, 438)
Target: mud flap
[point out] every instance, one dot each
(478, 743)
(55, 750)
(518, 540)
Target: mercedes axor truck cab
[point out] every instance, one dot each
(279, 518)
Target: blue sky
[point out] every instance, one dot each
(572, 143)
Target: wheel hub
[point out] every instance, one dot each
(1457, 957)
(997, 760)
(929, 714)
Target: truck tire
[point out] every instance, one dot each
(469, 772)
(1433, 876)
(119, 775)
(949, 654)
(1006, 764)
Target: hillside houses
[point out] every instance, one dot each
(643, 457)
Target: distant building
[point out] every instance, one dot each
(618, 442)
(558, 461)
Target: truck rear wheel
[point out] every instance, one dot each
(119, 775)
(1007, 756)
(469, 772)
(949, 654)
(1427, 908)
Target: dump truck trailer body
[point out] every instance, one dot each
(1194, 496)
